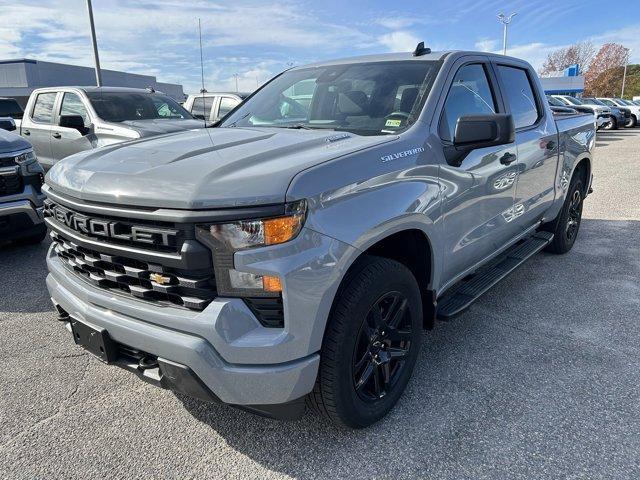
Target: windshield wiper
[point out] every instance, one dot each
(299, 126)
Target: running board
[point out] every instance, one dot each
(459, 297)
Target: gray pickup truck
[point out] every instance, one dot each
(61, 121)
(21, 197)
(294, 253)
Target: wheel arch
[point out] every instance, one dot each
(410, 246)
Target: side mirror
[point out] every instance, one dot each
(7, 124)
(74, 121)
(479, 131)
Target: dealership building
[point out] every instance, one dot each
(567, 82)
(18, 78)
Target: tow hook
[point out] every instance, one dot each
(147, 363)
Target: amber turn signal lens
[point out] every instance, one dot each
(271, 284)
(280, 230)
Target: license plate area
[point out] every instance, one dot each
(95, 340)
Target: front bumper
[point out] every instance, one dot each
(20, 216)
(238, 360)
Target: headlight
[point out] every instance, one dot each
(225, 239)
(259, 233)
(25, 157)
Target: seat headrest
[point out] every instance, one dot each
(353, 102)
(408, 98)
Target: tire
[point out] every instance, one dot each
(612, 125)
(565, 228)
(32, 239)
(365, 344)
(632, 122)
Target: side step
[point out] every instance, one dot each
(459, 297)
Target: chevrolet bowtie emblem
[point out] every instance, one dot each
(160, 279)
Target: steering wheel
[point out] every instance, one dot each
(398, 114)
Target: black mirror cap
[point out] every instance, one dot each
(73, 121)
(7, 124)
(477, 131)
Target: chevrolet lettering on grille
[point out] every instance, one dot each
(110, 228)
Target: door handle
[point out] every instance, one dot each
(56, 135)
(26, 132)
(508, 158)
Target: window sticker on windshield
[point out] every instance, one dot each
(393, 123)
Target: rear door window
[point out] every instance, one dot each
(470, 94)
(519, 93)
(43, 108)
(202, 107)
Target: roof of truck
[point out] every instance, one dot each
(404, 56)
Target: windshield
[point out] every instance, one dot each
(627, 102)
(555, 102)
(362, 98)
(573, 101)
(123, 106)
(593, 101)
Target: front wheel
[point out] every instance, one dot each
(566, 226)
(612, 125)
(371, 344)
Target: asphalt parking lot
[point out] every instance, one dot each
(539, 379)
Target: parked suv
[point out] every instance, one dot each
(295, 252)
(602, 114)
(65, 120)
(619, 102)
(211, 107)
(9, 107)
(21, 197)
(619, 115)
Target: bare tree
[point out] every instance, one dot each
(581, 53)
(604, 77)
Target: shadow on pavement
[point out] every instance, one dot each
(498, 381)
(23, 270)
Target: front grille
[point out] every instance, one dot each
(144, 280)
(118, 231)
(8, 161)
(604, 115)
(10, 184)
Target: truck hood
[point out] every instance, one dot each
(12, 142)
(147, 128)
(204, 168)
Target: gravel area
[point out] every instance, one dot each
(538, 379)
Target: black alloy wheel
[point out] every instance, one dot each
(382, 346)
(574, 217)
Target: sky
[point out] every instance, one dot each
(256, 39)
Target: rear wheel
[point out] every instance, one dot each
(632, 122)
(371, 344)
(566, 226)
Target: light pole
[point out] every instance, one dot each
(505, 21)
(95, 45)
(624, 75)
(236, 75)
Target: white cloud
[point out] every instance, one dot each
(399, 41)
(486, 45)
